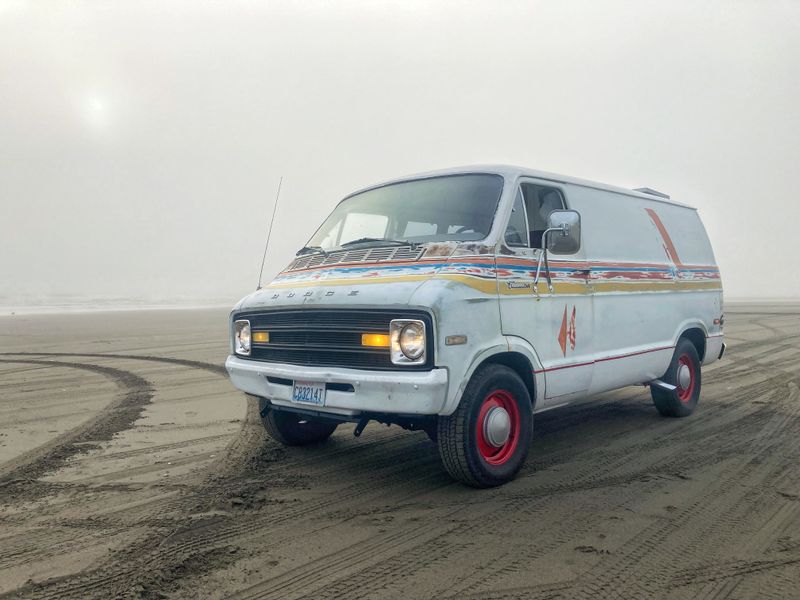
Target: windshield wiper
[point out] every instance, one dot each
(311, 249)
(382, 241)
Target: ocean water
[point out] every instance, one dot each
(34, 306)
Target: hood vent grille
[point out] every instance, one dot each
(364, 255)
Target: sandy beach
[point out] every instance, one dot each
(130, 467)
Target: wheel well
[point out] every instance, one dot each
(518, 363)
(698, 338)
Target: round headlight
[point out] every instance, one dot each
(242, 337)
(412, 340)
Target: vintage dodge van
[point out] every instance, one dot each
(462, 302)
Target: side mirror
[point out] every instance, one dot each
(564, 236)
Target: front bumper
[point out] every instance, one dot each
(413, 392)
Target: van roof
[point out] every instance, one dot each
(511, 171)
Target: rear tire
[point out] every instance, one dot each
(485, 442)
(684, 373)
(293, 429)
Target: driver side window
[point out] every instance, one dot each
(516, 235)
(540, 201)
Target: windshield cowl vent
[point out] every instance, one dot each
(364, 255)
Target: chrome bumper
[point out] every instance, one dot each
(412, 392)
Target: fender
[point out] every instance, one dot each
(687, 325)
(512, 344)
(690, 324)
(454, 399)
(521, 345)
(713, 340)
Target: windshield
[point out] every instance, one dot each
(454, 207)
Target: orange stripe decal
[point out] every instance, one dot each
(669, 247)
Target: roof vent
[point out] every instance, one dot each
(651, 192)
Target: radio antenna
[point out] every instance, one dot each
(269, 232)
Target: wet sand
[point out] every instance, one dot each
(130, 467)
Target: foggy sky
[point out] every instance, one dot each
(140, 145)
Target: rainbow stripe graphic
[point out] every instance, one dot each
(510, 275)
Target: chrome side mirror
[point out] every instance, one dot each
(562, 236)
(564, 232)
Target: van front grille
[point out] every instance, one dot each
(330, 337)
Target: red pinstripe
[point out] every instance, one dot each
(607, 358)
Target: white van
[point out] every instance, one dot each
(464, 301)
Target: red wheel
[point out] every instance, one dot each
(685, 378)
(497, 427)
(485, 442)
(684, 374)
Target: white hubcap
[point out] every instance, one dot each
(684, 377)
(497, 426)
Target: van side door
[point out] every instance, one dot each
(559, 323)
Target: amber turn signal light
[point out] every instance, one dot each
(376, 340)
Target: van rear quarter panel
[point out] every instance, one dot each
(653, 275)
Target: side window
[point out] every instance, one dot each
(540, 201)
(517, 231)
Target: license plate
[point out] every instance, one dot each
(309, 392)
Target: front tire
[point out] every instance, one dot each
(293, 429)
(485, 442)
(684, 374)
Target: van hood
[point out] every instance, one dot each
(381, 283)
(332, 294)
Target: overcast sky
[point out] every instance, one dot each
(141, 142)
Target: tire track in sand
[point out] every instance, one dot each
(134, 394)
